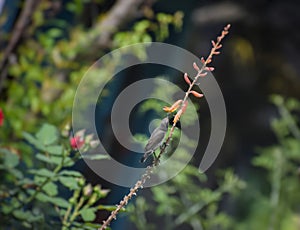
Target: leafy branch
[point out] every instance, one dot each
(39, 186)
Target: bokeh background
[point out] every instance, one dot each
(46, 47)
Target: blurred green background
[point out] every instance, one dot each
(47, 46)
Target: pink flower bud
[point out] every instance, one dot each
(196, 94)
(209, 68)
(76, 142)
(203, 74)
(186, 78)
(196, 67)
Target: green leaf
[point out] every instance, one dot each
(19, 214)
(42, 172)
(88, 214)
(25, 181)
(27, 216)
(109, 208)
(60, 202)
(142, 26)
(54, 32)
(11, 160)
(50, 189)
(95, 156)
(17, 173)
(93, 225)
(42, 197)
(47, 135)
(70, 173)
(32, 140)
(62, 212)
(5, 209)
(54, 149)
(38, 180)
(84, 226)
(69, 182)
(68, 162)
(49, 159)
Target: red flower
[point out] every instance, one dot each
(76, 142)
(1, 117)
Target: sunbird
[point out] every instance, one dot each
(156, 139)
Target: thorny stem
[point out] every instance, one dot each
(149, 170)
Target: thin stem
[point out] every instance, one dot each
(78, 206)
(139, 184)
(66, 223)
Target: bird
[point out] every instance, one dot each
(156, 139)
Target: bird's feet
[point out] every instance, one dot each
(164, 145)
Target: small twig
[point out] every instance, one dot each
(201, 72)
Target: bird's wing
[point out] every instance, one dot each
(155, 140)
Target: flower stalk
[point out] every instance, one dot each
(181, 105)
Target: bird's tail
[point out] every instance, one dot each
(146, 155)
(143, 159)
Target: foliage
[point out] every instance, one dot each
(186, 201)
(277, 197)
(51, 61)
(50, 193)
(41, 187)
(269, 203)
